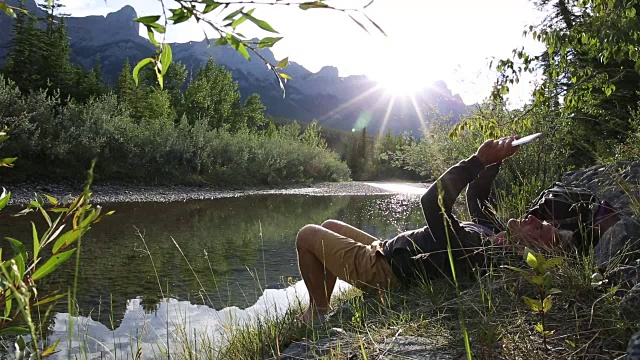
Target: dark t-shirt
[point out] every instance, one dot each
(423, 252)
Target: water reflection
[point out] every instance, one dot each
(173, 322)
(233, 254)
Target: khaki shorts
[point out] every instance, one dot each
(363, 266)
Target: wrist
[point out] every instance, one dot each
(482, 159)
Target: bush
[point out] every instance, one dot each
(154, 149)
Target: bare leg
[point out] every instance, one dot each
(312, 260)
(349, 231)
(318, 280)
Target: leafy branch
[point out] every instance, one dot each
(226, 28)
(541, 280)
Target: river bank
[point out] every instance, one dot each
(123, 193)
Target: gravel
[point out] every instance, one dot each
(112, 193)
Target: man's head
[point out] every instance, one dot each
(533, 232)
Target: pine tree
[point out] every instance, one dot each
(253, 112)
(93, 84)
(23, 55)
(213, 95)
(55, 69)
(126, 85)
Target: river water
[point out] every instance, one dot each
(152, 269)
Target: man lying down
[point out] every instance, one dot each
(338, 250)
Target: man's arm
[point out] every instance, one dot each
(437, 202)
(478, 193)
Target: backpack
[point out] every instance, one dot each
(568, 208)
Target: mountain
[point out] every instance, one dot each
(340, 102)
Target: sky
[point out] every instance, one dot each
(450, 40)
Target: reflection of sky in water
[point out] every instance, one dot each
(149, 330)
(399, 188)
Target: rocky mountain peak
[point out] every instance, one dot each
(127, 13)
(328, 71)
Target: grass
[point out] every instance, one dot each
(585, 320)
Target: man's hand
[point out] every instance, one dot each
(493, 151)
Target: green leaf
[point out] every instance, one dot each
(51, 299)
(147, 20)
(4, 198)
(633, 53)
(283, 63)
(541, 260)
(551, 263)
(17, 247)
(285, 76)
(221, 41)
(152, 36)
(531, 260)
(36, 241)
(211, 5)
(547, 304)
(538, 279)
(631, 12)
(538, 327)
(53, 201)
(239, 46)
(260, 23)
(7, 307)
(52, 264)
(165, 58)
(8, 162)
(14, 331)
(159, 28)
(7, 9)
(238, 21)
(243, 51)
(141, 64)
(48, 351)
(67, 239)
(313, 5)
(233, 14)
(179, 16)
(268, 42)
(534, 305)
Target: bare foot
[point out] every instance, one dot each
(313, 316)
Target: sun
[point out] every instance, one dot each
(400, 72)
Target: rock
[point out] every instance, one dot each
(630, 304)
(624, 236)
(340, 345)
(413, 347)
(633, 350)
(625, 276)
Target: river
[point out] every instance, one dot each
(154, 268)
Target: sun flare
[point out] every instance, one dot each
(399, 73)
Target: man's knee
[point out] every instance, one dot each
(306, 235)
(333, 225)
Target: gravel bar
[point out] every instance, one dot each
(111, 193)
